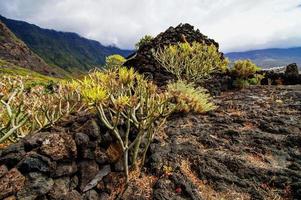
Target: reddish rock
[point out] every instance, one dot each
(64, 169)
(37, 185)
(11, 182)
(59, 146)
(88, 170)
(60, 188)
(3, 170)
(10, 198)
(100, 156)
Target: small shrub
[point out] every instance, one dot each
(245, 68)
(192, 63)
(189, 98)
(143, 41)
(114, 61)
(28, 110)
(256, 80)
(245, 73)
(240, 83)
(126, 101)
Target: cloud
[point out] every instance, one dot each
(235, 24)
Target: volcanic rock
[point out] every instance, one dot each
(292, 70)
(59, 146)
(11, 182)
(36, 186)
(144, 62)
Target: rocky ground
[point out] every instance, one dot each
(249, 148)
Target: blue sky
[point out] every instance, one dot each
(236, 24)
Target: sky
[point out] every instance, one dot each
(237, 25)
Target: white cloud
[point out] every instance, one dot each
(235, 24)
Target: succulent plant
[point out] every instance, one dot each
(191, 62)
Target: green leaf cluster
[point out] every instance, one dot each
(245, 73)
(114, 61)
(143, 41)
(191, 62)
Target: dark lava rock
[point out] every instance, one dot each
(292, 70)
(291, 76)
(12, 154)
(91, 195)
(73, 195)
(12, 182)
(35, 162)
(34, 141)
(249, 145)
(36, 185)
(175, 187)
(100, 156)
(59, 146)
(3, 170)
(65, 169)
(81, 139)
(91, 128)
(63, 188)
(144, 62)
(88, 170)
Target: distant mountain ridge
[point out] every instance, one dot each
(16, 52)
(267, 58)
(67, 50)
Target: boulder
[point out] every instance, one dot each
(88, 169)
(12, 182)
(292, 70)
(3, 170)
(65, 169)
(35, 162)
(36, 185)
(59, 146)
(144, 62)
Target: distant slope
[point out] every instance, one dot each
(66, 50)
(10, 69)
(270, 57)
(13, 50)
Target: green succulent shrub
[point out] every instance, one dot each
(245, 73)
(25, 111)
(126, 101)
(143, 41)
(114, 61)
(245, 68)
(189, 98)
(191, 62)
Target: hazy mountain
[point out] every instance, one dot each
(15, 51)
(66, 50)
(270, 57)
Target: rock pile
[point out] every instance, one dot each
(75, 161)
(290, 76)
(144, 62)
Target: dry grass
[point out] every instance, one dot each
(142, 183)
(256, 160)
(267, 161)
(206, 191)
(248, 126)
(235, 112)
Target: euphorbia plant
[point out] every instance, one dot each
(125, 100)
(26, 111)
